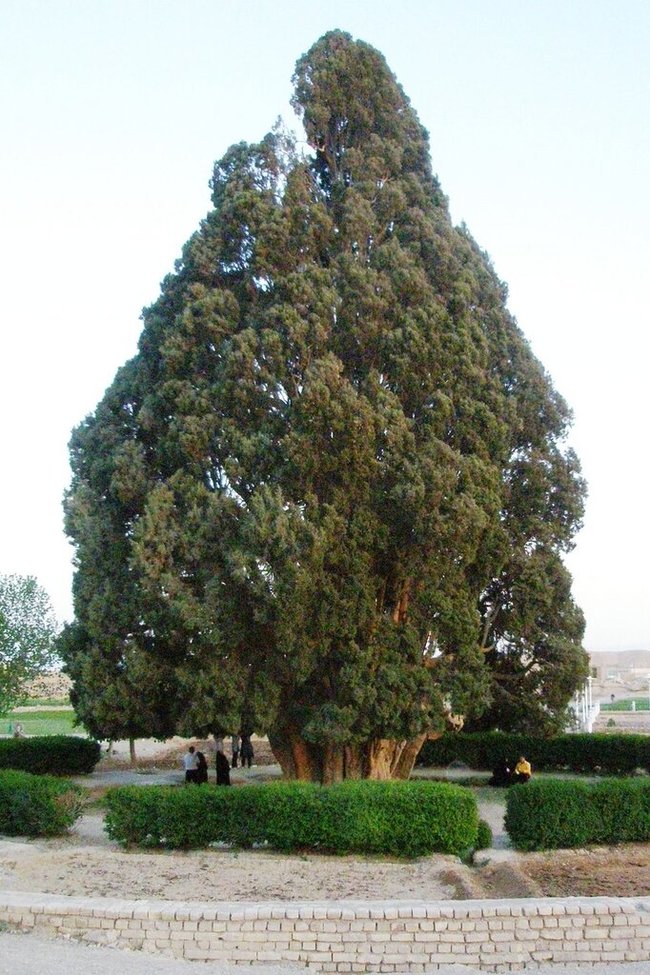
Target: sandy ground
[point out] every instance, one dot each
(86, 862)
(66, 867)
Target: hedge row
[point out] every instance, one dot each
(50, 754)
(546, 815)
(612, 754)
(406, 819)
(37, 805)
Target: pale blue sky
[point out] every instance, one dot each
(112, 113)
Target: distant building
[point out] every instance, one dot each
(628, 667)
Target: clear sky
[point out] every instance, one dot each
(112, 113)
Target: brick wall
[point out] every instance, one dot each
(352, 936)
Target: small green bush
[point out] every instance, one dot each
(551, 814)
(37, 805)
(609, 754)
(484, 837)
(405, 819)
(50, 754)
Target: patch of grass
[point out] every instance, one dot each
(59, 722)
(625, 704)
(45, 702)
(95, 798)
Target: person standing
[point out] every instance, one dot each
(246, 751)
(223, 769)
(190, 764)
(201, 768)
(235, 751)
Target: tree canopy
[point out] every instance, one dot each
(331, 491)
(27, 632)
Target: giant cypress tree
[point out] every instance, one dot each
(307, 487)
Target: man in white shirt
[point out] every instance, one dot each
(190, 764)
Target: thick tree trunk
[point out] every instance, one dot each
(382, 758)
(132, 754)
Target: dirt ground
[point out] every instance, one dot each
(622, 871)
(87, 863)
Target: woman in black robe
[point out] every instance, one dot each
(223, 769)
(201, 769)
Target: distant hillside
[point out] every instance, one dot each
(49, 685)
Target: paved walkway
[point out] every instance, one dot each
(27, 954)
(153, 776)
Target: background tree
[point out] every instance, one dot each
(301, 494)
(27, 632)
(118, 691)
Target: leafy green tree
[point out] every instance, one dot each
(27, 632)
(301, 494)
(118, 691)
(532, 628)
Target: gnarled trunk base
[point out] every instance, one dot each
(381, 758)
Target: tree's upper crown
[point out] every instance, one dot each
(345, 94)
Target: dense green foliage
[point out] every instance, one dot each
(406, 819)
(484, 837)
(27, 632)
(37, 805)
(546, 815)
(50, 754)
(119, 691)
(329, 496)
(613, 754)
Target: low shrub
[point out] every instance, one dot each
(50, 754)
(551, 814)
(37, 805)
(406, 819)
(604, 753)
(484, 837)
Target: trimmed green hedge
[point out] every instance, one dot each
(50, 754)
(37, 805)
(610, 754)
(485, 838)
(546, 815)
(406, 819)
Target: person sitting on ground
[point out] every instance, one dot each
(523, 770)
(223, 769)
(501, 774)
(201, 768)
(190, 764)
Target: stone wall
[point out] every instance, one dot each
(352, 936)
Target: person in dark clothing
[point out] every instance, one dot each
(235, 750)
(501, 775)
(223, 769)
(246, 751)
(201, 768)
